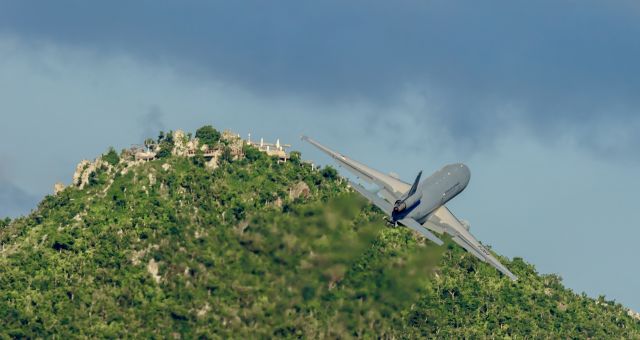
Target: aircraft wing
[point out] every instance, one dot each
(413, 224)
(373, 198)
(442, 220)
(392, 185)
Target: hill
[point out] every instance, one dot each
(245, 245)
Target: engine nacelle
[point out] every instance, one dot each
(407, 203)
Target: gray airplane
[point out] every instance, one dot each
(420, 206)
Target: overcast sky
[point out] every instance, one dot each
(540, 99)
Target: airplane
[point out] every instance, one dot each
(420, 206)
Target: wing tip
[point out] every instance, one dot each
(509, 274)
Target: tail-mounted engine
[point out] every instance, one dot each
(407, 203)
(410, 199)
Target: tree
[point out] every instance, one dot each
(208, 135)
(5, 222)
(111, 157)
(166, 145)
(329, 173)
(295, 157)
(251, 153)
(165, 150)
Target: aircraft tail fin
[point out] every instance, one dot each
(414, 187)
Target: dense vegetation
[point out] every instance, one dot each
(260, 248)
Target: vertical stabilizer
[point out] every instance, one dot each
(414, 187)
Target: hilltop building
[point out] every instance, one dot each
(271, 149)
(143, 153)
(190, 148)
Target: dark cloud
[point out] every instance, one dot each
(555, 67)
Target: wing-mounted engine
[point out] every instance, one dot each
(410, 199)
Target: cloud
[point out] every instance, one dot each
(14, 201)
(480, 68)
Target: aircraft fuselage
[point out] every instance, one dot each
(436, 190)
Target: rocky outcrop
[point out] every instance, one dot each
(203, 311)
(180, 142)
(137, 255)
(80, 170)
(193, 144)
(299, 190)
(58, 188)
(212, 164)
(85, 168)
(153, 269)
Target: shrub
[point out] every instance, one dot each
(62, 242)
(226, 155)
(111, 157)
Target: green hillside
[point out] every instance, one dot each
(258, 248)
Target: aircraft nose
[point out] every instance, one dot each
(466, 173)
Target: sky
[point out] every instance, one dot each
(540, 99)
